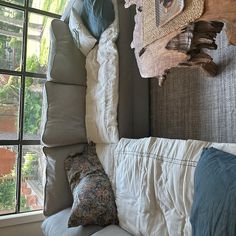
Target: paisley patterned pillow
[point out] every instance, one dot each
(94, 201)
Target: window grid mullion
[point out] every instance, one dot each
(33, 10)
(18, 179)
(17, 142)
(19, 73)
(22, 99)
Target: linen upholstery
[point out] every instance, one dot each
(56, 184)
(64, 115)
(66, 62)
(192, 105)
(56, 225)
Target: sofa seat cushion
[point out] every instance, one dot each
(56, 225)
(112, 230)
(57, 191)
(66, 62)
(64, 115)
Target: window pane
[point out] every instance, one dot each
(54, 6)
(33, 108)
(38, 43)
(32, 178)
(18, 2)
(9, 106)
(11, 37)
(8, 155)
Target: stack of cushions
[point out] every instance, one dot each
(214, 203)
(64, 114)
(94, 201)
(66, 87)
(97, 15)
(82, 37)
(87, 24)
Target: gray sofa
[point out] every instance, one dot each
(64, 115)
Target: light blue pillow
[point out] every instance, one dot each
(214, 203)
(97, 15)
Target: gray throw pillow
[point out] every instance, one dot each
(97, 15)
(94, 201)
(214, 203)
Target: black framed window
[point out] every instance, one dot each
(24, 48)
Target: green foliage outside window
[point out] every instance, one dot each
(9, 93)
(7, 194)
(8, 184)
(28, 169)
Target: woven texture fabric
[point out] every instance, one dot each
(192, 11)
(191, 105)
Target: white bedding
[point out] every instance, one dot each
(153, 182)
(102, 87)
(102, 77)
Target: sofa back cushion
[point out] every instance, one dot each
(66, 62)
(64, 115)
(57, 190)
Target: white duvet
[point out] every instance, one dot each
(153, 182)
(102, 77)
(102, 87)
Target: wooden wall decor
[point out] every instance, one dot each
(167, 10)
(186, 46)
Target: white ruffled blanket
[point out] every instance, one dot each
(102, 78)
(102, 89)
(153, 182)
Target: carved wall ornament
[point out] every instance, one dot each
(159, 48)
(166, 10)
